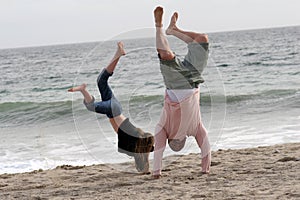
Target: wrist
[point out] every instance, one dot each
(156, 172)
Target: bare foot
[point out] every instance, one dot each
(77, 88)
(172, 26)
(121, 50)
(158, 13)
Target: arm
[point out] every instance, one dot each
(203, 143)
(160, 145)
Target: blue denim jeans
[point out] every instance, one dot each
(109, 104)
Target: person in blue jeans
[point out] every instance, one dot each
(131, 140)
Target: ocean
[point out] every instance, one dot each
(250, 97)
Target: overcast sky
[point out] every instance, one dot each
(46, 22)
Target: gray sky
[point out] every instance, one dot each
(45, 22)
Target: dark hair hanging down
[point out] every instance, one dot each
(145, 142)
(143, 147)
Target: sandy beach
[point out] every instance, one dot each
(271, 172)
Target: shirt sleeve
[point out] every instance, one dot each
(159, 148)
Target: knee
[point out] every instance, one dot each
(90, 106)
(201, 38)
(165, 55)
(103, 76)
(100, 78)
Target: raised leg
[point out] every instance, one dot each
(120, 52)
(105, 90)
(82, 88)
(186, 36)
(162, 44)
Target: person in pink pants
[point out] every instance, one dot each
(181, 116)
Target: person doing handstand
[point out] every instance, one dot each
(131, 140)
(181, 112)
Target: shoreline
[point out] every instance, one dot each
(267, 172)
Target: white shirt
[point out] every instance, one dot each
(178, 95)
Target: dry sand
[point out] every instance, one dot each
(258, 173)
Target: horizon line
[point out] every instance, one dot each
(83, 42)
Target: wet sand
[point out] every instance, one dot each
(271, 172)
